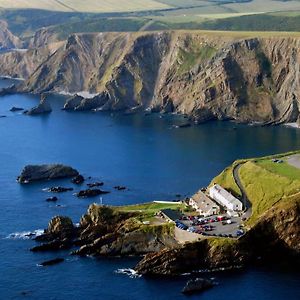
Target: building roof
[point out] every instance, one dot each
(229, 197)
(204, 202)
(171, 214)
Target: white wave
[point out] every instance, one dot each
(130, 272)
(186, 274)
(84, 94)
(10, 77)
(294, 125)
(25, 235)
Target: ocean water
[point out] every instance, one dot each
(143, 153)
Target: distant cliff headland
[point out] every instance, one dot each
(246, 77)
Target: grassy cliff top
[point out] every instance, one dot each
(265, 181)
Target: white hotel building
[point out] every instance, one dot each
(224, 198)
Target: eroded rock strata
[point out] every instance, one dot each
(204, 75)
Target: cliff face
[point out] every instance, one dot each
(42, 38)
(21, 63)
(207, 76)
(7, 39)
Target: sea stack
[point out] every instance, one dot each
(45, 172)
(42, 108)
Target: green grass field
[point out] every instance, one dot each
(25, 16)
(92, 6)
(149, 208)
(266, 183)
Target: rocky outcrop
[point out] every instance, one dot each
(90, 193)
(73, 102)
(206, 76)
(78, 179)
(197, 285)
(43, 107)
(14, 109)
(58, 189)
(45, 172)
(52, 262)
(7, 39)
(106, 231)
(59, 235)
(52, 199)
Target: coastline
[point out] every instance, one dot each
(83, 94)
(12, 78)
(293, 125)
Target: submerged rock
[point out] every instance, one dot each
(78, 179)
(42, 108)
(52, 262)
(52, 199)
(14, 108)
(59, 189)
(53, 245)
(90, 193)
(45, 172)
(95, 184)
(197, 285)
(120, 188)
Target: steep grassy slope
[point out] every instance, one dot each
(266, 182)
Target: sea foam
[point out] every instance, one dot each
(25, 235)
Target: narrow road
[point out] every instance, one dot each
(147, 25)
(244, 199)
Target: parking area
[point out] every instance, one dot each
(222, 226)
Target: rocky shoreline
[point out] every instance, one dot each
(108, 231)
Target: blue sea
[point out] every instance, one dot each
(144, 153)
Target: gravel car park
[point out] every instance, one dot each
(222, 226)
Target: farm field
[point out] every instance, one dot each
(93, 6)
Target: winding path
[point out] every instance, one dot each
(244, 199)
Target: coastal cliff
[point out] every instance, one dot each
(22, 63)
(7, 39)
(204, 75)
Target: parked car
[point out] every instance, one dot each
(240, 232)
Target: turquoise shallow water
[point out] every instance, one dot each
(141, 152)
